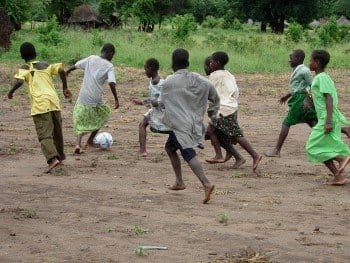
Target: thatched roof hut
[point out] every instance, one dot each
(343, 21)
(86, 16)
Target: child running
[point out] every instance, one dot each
(90, 113)
(325, 144)
(44, 101)
(155, 114)
(185, 96)
(226, 125)
(300, 83)
(220, 142)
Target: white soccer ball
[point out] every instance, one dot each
(104, 140)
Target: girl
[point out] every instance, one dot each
(325, 144)
(226, 125)
(154, 115)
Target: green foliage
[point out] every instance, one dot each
(182, 26)
(212, 22)
(223, 218)
(141, 252)
(329, 33)
(106, 8)
(236, 25)
(97, 39)
(50, 33)
(294, 32)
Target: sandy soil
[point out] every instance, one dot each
(101, 205)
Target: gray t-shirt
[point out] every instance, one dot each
(96, 71)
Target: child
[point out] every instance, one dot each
(44, 101)
(226, 125)
(90, 113)
(155, 114)
(325, 143)
(185, 96)
(219, 142)
(300, 82)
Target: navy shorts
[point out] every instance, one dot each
(173, 145)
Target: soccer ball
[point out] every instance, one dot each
(104, 140)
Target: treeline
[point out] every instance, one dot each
(150, 13)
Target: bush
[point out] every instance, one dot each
(329, 33)
(212, 22)
(50, 34)
(294, 32)
(97, 39)
(182, 25)
(235, 24)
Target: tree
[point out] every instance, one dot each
(5, 29)
(63, 9)
(106, 8)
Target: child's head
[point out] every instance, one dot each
(151, 67)
(108, 51)
(207, 67)
(27, 51)
(296, 58)
(180, 59)
(319, 60)
(218, 60)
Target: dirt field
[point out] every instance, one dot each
(101, 205)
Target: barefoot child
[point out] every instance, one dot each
(325, 144)
(185, 96)
(90, 113)
(44, 101)
(226, 125)
(300, 82)
(154, 115)
(219, 142)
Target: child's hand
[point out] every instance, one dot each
(284, 99)
(10, 95)
(67, 94)
(137, 101)
(328, 126)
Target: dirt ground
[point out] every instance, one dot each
(100, 206)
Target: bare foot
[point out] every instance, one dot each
(177, 187)
(77, 150)
(340, 181)
(238, 163)
(256, 162)
(227, 157)
(272, 153)
(143, 154)
(52, 165)
(215, 160)
(208, 191)
(343, 164)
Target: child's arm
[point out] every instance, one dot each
(70, 69)
(16, 85)
(114, 92)
(285, 98)
(329, 108)
(66, 92)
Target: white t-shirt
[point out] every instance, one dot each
(96, 71)
(226, 86)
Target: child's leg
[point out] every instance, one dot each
(231, 151)
(58, 135)
(142, 136)
(339, 179)
(346, 131)
(216, 144)
(246, 146)
(45, 128)
(90, 141)
(282, 137)
(176, 164)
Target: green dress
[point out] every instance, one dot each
(323, 146)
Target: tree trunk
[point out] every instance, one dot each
(263, 26)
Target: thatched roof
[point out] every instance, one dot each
(343, 21)
(85, 14)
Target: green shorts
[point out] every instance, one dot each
(297, 114)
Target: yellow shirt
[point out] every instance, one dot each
(41, 90)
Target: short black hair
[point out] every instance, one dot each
(152, 63)
(322, 56)
(180, 58)
(207, 61)
(27, 51)
(108, 48)
(221, 57)
(300, 54)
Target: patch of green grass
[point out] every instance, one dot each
(223, 218)
(138, 230)
(141, 252)
(111, 156)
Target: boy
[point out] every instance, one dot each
(300, 83)
(185, 96)
(325, 144)
(90, 113)
(45, 106)
(154, 115)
